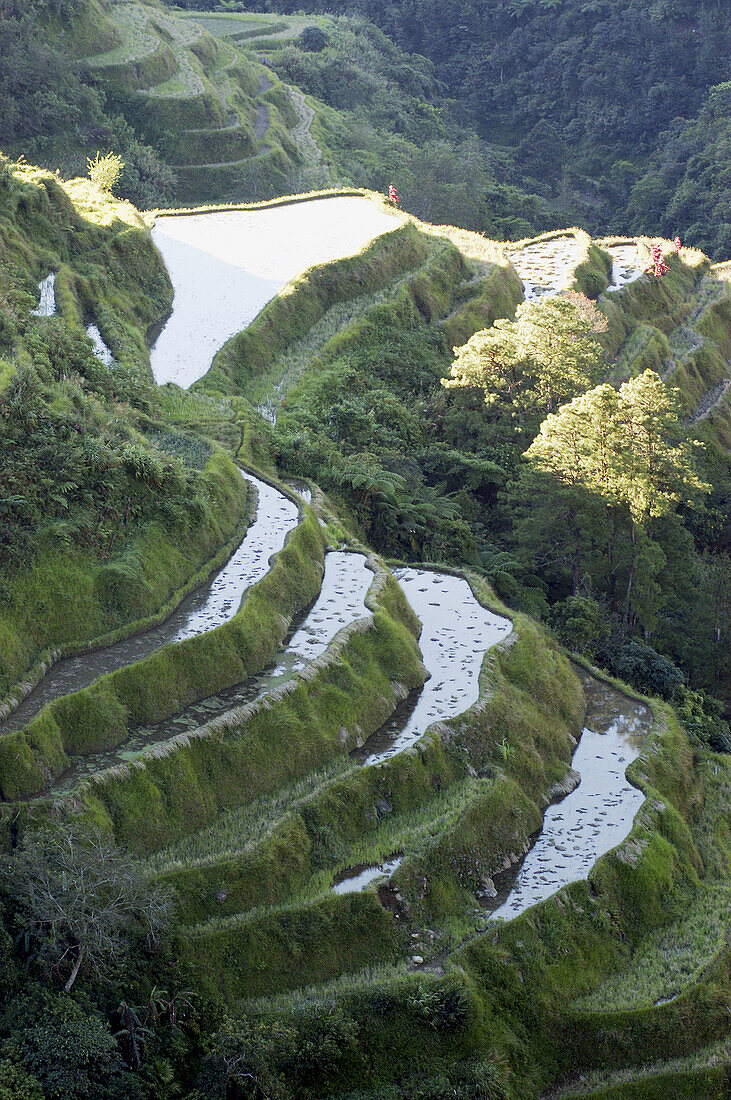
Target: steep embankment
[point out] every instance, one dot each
(222, 124)
(112, 515)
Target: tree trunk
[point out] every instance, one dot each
(630, 579)
(75, 971)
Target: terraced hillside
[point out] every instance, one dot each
(225, 124)
(341, 766)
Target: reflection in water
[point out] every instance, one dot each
(101, 350)
(596, 816)
(341, 601)
(545, 267)
(350, 883)
(456, 632)
(626, 264)
(226, 266)
(214, 603)
(47, 304)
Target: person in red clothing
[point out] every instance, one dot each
(658, 267)
(393, 196)
(677, 244)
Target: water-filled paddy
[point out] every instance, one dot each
(101, 350)
(213, 603)
(47, 303)
(597, 815)
(626, 264)
(341, 601)
(456, 633)
(226, 266)
(545, 267)
(356, 879)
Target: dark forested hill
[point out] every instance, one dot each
(613, 107)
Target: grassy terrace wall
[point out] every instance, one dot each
(529, 697)
(158, 686)
(679, 326)
(328, 708)
(304, 302)
(504, 1000)
(67, 601)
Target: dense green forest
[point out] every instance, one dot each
(614, 113)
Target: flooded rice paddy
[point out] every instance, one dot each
(47, 303)
(597, 815)
(456, 633)
(626, 264)
(209, 606)
(356, 879)
(341, 601)
(100, 349)
(545, 267)
(226, 266)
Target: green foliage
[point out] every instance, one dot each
(257, 1057)
(314, 39)
(105, 170)
(535, 363)
(580, 624)
(594, 479)
(647, 670)
(70, 1053)
(597, 138)
(17, 1084)
(687, 180)
(80, 904)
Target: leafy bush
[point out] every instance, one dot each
(17, 1084)
(580, 624)
(702, 716)
(314, 39)
(73, 1054)
(105, 171)
(647, 670)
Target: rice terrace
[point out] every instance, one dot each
(365, 663)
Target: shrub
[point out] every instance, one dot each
(579, 623)
(314, 39)
(104, 171)
(644, 668)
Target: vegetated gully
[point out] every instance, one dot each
(457, 631)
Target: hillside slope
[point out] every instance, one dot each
(107, 514)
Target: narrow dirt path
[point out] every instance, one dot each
(314, 173)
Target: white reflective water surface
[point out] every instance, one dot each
(101, 350)
(598, 814)
(47, 304)
(456, 633)
(225, 266)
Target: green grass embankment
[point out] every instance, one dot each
(304, 302)
(68, 602)
(340, 698)
(504, 1001)
(678, 325)
(158, 686)
(448, 784)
